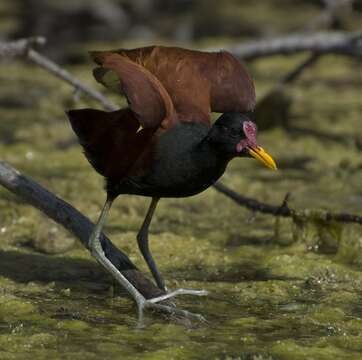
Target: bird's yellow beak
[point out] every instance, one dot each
(260, 154)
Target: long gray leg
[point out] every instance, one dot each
(96, 250)
(142, 240)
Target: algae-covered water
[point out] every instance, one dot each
(278, 290)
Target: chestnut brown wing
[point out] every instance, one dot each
(146, 96)
(197, 82)
(232, 88)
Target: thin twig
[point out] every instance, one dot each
(272, 108)
(19, 47)
(72, 220)
(23, 48)
(284, 210)
(291, 76)
(343, 43)
(295, 73)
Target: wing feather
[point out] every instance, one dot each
(197, 82)
(146, 96)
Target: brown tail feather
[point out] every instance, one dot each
(103, 135)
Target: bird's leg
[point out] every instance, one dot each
(142, 239)
(96, 250)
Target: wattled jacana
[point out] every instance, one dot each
(163, 144)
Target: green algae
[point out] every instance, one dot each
(279, 289)
(13, 308)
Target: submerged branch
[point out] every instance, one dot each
(23, 48)
(284, 210)
(72, 220)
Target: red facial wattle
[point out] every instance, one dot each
(251, 146)
(250, 131)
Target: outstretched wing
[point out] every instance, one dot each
(112, 141)
(147, 98)
(197, 82)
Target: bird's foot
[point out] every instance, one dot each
(172, 310)
(171, 294)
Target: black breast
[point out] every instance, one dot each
(184, 165)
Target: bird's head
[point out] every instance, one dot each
(234, 135)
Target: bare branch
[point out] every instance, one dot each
(72, 220)
(284, 210)
(19, 47)
(344, 43)
(23, 48)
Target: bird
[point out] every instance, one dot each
(163, 144)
